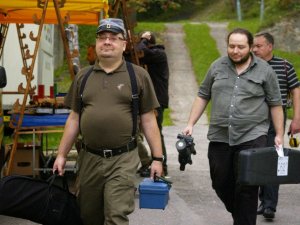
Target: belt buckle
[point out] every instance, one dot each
(107, 153)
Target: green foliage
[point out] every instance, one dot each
(166, 10)
(87, 36)
(216, 11)
(155, 5)
(60, 70)
(274, 11)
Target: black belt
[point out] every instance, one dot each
(108, 153)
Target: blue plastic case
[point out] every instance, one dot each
(153, 195)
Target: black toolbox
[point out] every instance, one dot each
(262, 166)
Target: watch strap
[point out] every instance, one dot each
(161, 159)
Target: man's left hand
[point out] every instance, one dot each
(295, 126)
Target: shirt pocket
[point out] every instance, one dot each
(253, 86)
(221, 83)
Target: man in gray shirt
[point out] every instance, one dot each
(242, 89)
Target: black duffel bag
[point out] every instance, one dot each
(38, 200)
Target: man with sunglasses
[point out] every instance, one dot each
(103, 115)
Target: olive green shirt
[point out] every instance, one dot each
(239, 103)
(106, 119)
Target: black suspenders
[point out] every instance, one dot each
(134, 91)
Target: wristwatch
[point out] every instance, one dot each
(160, 159)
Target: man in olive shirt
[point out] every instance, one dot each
(242, 89)
(103, 115)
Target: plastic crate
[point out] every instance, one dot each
(153, 195)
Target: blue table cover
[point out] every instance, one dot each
(41, 120)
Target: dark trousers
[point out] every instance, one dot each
(160, 119)
(268, 194)
(240, 200)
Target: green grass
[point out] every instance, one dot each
(167, 118)
(156, 27)
(203, 50)
(253, 25)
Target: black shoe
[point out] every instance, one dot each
(260, 210)
(269, 213)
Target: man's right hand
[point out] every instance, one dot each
(188, 130)
(59, 165)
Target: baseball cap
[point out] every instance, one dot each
(113, 25)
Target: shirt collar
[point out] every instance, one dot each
(121, 68)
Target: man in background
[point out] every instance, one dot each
(288, 81)
(156, 62)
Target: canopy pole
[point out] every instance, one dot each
(63, 34)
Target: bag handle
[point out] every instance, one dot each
(55, 175)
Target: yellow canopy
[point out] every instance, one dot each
(77, 11)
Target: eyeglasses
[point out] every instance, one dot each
(103, 38)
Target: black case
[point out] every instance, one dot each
(259, 166)
(38, 200)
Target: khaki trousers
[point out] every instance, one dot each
(106, 187)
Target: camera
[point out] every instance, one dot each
(185, 147)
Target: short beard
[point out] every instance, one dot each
(242, 61)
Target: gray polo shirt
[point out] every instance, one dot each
(240, 103)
